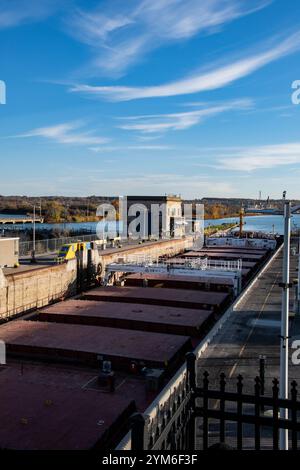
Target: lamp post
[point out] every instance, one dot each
(284, 337)
(33, 259)
(298, 286)
(299, 260)
(103, 230)
(145, 229)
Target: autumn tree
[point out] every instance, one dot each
(54, 211)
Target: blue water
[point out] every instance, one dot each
(261, 223)
(13, 216)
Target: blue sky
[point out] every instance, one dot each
(150, 97)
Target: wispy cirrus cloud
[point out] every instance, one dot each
(66, 133)
(257, 158)
(16, 12)
(159, 123)
(137, 147)
(120, 33)
(216, 77)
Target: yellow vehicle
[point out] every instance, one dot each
(68, 251)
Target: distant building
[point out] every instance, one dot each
(159, 215)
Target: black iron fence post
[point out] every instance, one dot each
(294, 414)
(275, 390)
(257, 413)
(262, 365)
(240, 412)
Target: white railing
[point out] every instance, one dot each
(146, 260)
(203, 271)
(223, 265)
(263, 243)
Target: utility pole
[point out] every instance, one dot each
(145, 228)
(299, 260)
(284, 338)
(33, 260)
(298, 286)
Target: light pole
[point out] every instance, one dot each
(284, 337)
(299, 267)
(103, 241)
(298, 286)
(145, 228)
(33, 260)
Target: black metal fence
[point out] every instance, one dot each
(186, 420)
(52, 245)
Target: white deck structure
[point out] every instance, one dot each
(260, 243)
(203, 269)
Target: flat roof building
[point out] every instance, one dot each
(160, 216)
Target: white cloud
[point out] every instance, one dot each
(124, 33)
(96, 26)
(179, 121)
(257, 158)
(213, 79)
(16, 12)
(120, 57)
(66, 133)
(120, 148)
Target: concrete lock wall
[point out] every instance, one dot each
(36, 288)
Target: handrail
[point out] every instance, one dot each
(38, 303)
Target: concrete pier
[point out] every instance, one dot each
(21, 221)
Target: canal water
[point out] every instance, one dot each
(261, 223)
